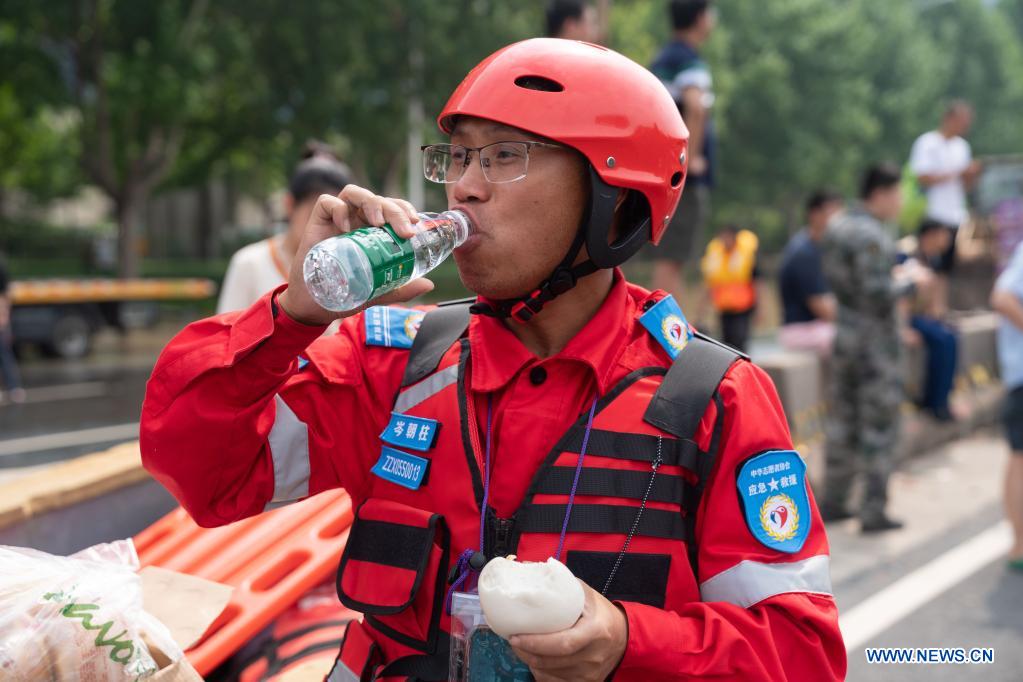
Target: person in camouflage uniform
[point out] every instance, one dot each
(865, 389)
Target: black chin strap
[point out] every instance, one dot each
(564, 277)
(593, 233)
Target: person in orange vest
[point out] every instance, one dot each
(730, 273)
(561, 413)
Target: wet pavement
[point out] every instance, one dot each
(81, 406)
(940, 582)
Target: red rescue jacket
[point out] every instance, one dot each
(232, 426)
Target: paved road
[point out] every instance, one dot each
(78, 407)
(940, 582)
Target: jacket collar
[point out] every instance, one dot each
(498, 355)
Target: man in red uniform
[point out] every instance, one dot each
(580, 417)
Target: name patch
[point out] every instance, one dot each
(401, 468)
(415, 433)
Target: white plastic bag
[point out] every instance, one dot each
(76, 618)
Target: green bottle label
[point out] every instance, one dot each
(391, 257)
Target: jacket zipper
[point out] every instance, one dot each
(502, 537)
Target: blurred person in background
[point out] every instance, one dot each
(572, 20)
(808, 306)
(11, 379)
(944, 167)
(865, 383)
(687, 77)
(926, 318)
(1007, 300)
(257, 268)
(730, 273)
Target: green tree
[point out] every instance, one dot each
(147, 95)
(36, 149)
(1012, 10)
(345, 69)
(985, 67)
(137, 76)
(37, 139)
(176, 92)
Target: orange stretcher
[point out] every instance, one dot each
(271, 560)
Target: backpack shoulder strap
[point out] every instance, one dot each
(678, 406)
(439, 330)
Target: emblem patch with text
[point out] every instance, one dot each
(392, 327)
(776, 506)
(667, 325)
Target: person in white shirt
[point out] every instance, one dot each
(260, 267)
(943, 164)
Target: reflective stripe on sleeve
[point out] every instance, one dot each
(431, 385)
(289, 449)
(750, 582)
(342, 673)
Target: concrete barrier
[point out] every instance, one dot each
(978, 348)
(801, 382)
(71, 505)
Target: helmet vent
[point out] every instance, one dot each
(539, 83)
(676, 179)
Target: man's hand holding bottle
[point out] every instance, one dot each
(353, 208)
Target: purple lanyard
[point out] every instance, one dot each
(575, 480)
(465, 563)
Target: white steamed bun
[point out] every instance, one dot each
(529, 598)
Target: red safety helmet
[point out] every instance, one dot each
(610, 109)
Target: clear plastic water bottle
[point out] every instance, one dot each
(344, 272)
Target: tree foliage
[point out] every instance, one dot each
(810, 91)
(146, 95)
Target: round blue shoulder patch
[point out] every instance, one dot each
(772, 488)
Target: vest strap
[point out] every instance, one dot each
(639, 577)
(425, 667)
(640, 447)
(689, 385)
(678, 406)
(437, 333)
(692, 494)
(614, 483)
(602, 518)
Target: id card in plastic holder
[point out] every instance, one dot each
(477, 653)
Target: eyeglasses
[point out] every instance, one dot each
(500, 161)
